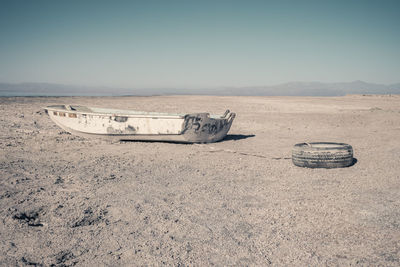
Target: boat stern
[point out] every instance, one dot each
(201, 128)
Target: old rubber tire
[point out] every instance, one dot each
(322, 155)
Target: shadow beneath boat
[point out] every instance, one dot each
(229, 137)
(154, 141)
(236, 137)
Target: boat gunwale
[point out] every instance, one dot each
(162, 115)
(155, 115)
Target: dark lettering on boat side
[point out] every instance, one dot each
(192, 122)
(214, 127)
(202, 123)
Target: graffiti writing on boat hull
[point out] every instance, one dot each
(202, 123)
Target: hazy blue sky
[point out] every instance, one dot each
(199, 43)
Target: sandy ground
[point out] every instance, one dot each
(65, 200)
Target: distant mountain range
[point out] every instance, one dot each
(286, 89)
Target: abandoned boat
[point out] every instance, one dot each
(143, 126)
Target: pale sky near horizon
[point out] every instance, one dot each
(194, 44)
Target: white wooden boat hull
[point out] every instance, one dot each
(145, 126)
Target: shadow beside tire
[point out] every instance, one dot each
(353, 162)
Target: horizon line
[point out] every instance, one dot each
(193, 87)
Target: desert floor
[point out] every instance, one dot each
(66, 200)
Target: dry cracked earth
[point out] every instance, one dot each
(67, 200)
